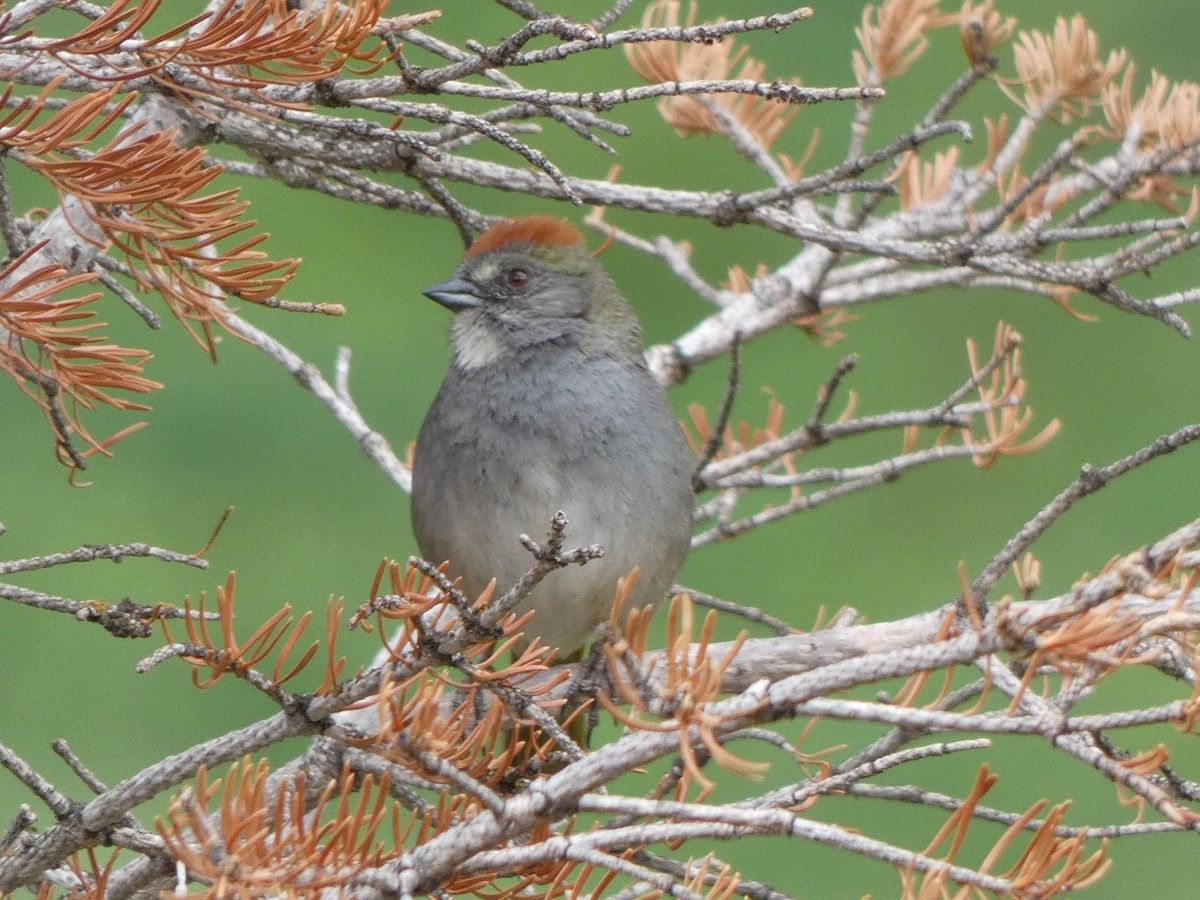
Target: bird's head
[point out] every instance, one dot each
(531, 281)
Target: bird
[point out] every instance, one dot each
(548, 406)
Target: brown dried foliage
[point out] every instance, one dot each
(892, 37)
(1063, 72)
(244, 46)
(418, 615)
(692, 682)
(1048, 865)
(981, 29)
(997, 132)
(712, 879)
(1168, 112)
(743, 436)
(419, 720)
(53, 350)
(924, 182)
(239, 842)
(1046, 198)
(825, 329)
(666, 61)
(1002, 388)
(421, 729)
(252, 846)
(1093, 631)
(92, 879)
(143, 194)
(239, 657)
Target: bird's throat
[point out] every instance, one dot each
(477, 343)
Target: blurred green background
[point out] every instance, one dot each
(314, 517)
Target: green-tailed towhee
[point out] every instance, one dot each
(547, 406)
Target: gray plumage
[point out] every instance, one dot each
(548, 406)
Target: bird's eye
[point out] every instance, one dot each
(517, 278)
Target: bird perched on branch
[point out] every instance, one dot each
(548, 406)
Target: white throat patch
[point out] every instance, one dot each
(475, 343)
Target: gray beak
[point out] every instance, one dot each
(455, 294)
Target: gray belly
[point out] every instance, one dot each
(623, 482)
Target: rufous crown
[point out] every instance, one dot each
(539, 231)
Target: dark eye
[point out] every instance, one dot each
(517, 278)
